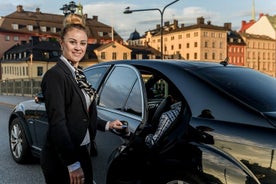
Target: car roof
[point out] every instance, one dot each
(238, 82)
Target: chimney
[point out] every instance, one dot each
(261, 14)
(158, 26)
(95, 17)
(175, 24)
(37, 10)
(19, 8)
(228, 25)
(200, 20)
(85, 16)
(209, 22)
(182, 25)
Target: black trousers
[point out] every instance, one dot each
(55, 171)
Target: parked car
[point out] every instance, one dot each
(229, 116)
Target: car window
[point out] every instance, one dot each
(253, 87)
(122, 91)
(95, 75)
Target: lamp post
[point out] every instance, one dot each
(69, 8)
(128, 11)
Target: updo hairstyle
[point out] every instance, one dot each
(73, 21)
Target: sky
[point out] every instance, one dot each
(110, 12)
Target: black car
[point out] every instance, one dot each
(234, 107)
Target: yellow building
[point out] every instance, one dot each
(260, 53)
(202, 41)
(112, 51)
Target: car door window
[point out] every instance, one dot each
(95, 75)
(122, 91)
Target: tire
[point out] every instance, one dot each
(19, 147)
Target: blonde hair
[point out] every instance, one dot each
(73, 21)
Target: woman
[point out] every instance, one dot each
(71, 109)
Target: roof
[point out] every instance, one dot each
(37, 19)
(246, 25)
(134, 36)
(234, 38)
(272, 20)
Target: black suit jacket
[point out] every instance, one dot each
(68, 116)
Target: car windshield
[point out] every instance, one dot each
(252, 87)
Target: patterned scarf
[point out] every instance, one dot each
(84, 84)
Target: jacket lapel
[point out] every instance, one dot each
(68, 73)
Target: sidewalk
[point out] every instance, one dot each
(13, 100)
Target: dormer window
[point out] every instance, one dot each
(53, 29)
(43, 28)
(100, 34)
(30, 27)
(15, 26)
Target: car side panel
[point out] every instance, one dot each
(253, 145)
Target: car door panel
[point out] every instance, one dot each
(122, 96)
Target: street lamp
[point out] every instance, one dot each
(69, 8)
(128, 11)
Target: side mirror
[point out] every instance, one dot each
(39, 98)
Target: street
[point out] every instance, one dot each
(13, 173)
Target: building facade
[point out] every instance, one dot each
(260, 53)
(21, 25)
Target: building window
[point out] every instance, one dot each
(188, 45)
(213, 44)
(195, 55)
(187, 56)
(114, 55)
(179, 37)
(39, 71)
(100, 34)
(205, 55)
(195, 34)
(179, 46)
(172, 38)
(53, 29)
(206, 44)
(212, 35)
(15, 26)
(43, 28)
(15, 38)
(220, 56)
(188, 35)
(102, 55)
(195, 44)
(7, 38)
(30, 27)
(124, 55)
(172, 47)
(213, 56)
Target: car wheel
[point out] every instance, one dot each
(19, 147)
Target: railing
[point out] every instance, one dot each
(20, 87)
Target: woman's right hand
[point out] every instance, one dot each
(77, 176)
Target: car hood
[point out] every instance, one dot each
(26, 105)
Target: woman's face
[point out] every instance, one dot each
(74, 45)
